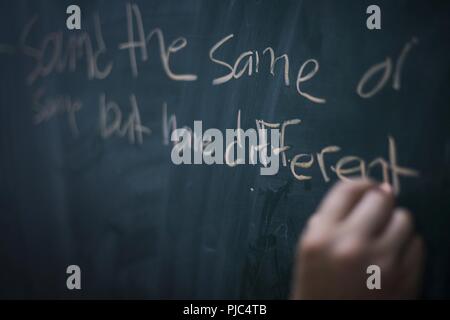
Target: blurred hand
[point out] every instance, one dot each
(356, 226)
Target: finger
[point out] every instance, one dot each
(373, 212)
(398, 232)
(342, 198)
(412, 266)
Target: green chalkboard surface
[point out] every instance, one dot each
(87, 175)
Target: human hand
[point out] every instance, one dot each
(356, 226)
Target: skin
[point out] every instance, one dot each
(357, 225)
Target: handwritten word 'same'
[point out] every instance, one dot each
(73, 21)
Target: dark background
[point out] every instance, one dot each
(141, 227)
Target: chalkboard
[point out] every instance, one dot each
(86, 117)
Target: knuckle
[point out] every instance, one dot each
(405, 217)
(312, 244)
(346, 187)
(353, 185)
(379, 198)
(378, 195)
(313, 222)
(349, 250)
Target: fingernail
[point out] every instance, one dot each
(386, 187)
